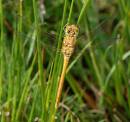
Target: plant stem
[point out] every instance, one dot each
(61, 81)
(82, 11)
(1, 49)
(70, 13)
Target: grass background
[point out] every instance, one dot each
(97, 83)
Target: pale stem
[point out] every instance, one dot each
(61, 81)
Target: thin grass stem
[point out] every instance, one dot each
(61, 81)
(70, 13)
(82, 11)
(1, 50)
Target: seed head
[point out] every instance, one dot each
(71, 32)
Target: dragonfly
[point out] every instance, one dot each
(49, 41)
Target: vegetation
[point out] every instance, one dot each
(97, 81)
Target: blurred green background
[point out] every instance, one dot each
(97, 83)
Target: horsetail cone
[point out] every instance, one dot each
(71, 32)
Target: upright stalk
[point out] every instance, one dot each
(70, 13)
(17, 56)
(61, 81)
(94, 62)
(1, 49)
(71, 32)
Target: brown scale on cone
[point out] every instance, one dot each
(71, 32)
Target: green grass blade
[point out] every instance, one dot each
(82, 11)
